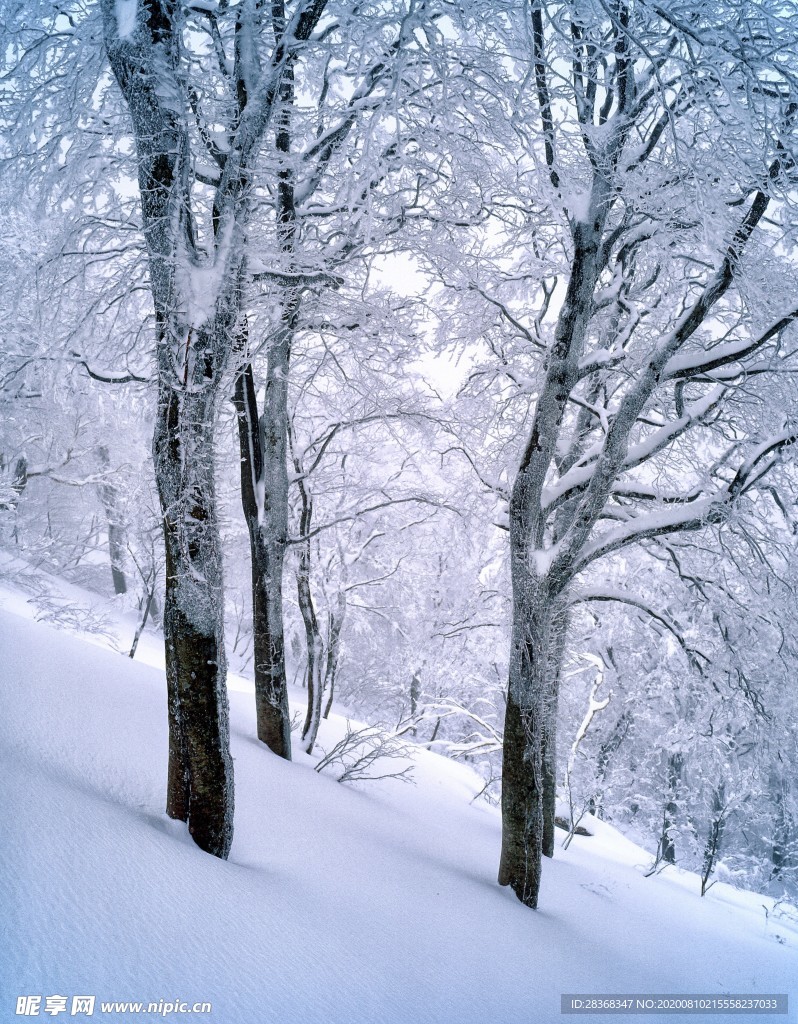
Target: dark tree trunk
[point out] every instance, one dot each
(314, 644)
(336, 625)
(522, 808)
(264, 449)
(782, 828)
(549, 768)
(528, 753)
(549, 733)
(200, 781)
(265, 509)
(194, 346)
(19, 481)
(142, 621)
(313, 640)
(667, 845)
(717, 828)
(415, 693)
(271, 690)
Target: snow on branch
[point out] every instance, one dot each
(607, 594)
(388, 503)
(109, 378)
(695, 515)
(485, 739)
(639, 453)
(693, 365)
(357, 756)
(752, 469)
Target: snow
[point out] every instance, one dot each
(578, 205)
(541, 560)
(597, 358)
(375, 905)
(638, 453)
(201, 281)
(126, 18)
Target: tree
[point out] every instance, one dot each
(339, 180)
(634, 369)
(240, 181)
(358, 488)
(196, 243)
(700, 758)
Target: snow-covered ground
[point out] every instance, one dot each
(339, 905)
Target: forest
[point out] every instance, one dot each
(438, 358)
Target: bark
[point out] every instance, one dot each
(19, 481)
(200, 779)
(20, 478)
(194, 347)
(554, 538)
(142, 622)
(554, 671)
(315, 654)
(782, 822)
(191, 359)
(527, 755)
(522, 808)
(264, 441)
(529, 787)
(314, 642)
(271, 691)
(264, 496)
(415, 693)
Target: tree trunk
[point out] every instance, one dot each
(336, 625)
(264, 450)
(271, 690)
(667, 846)
(19, 481)
(264, 496)
(313, 640)
(117, 537)
(779, 848)
(142, 622)
(527, 785)
(549, 768)
(522, 809)
(200, 782)
(559, 627)
(714, 843)
(415, 692)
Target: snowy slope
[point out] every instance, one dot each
(338, 905)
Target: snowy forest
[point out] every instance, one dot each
(436, 359)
